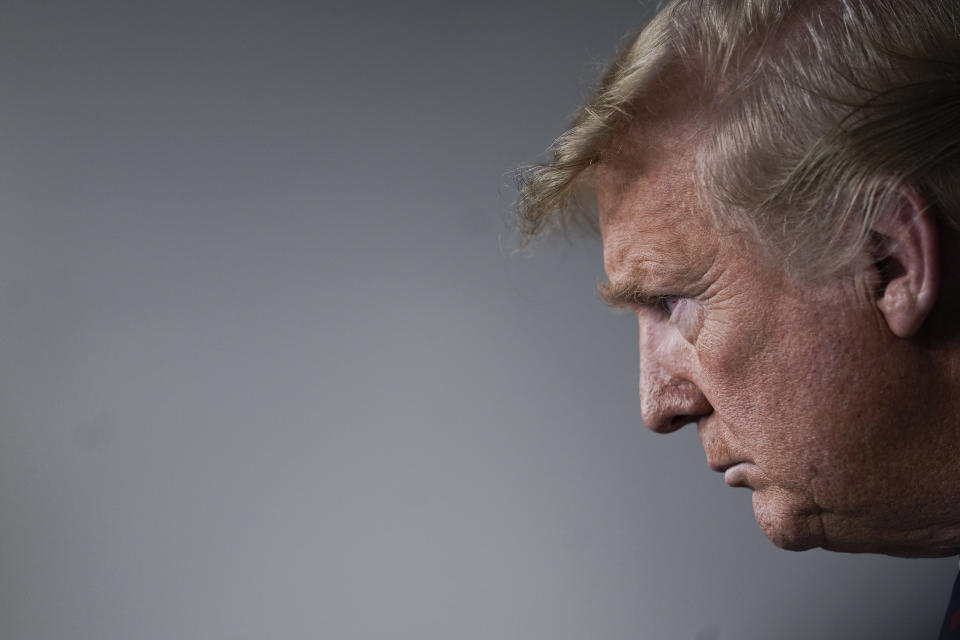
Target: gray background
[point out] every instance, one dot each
(268, 368)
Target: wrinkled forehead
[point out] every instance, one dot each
(658, 185)
(649, 210)
(654, 160)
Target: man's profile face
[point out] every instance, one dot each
(798, 390)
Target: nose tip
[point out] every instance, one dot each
(666, 408)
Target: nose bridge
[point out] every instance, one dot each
(654, 352)
(669, 398)
(655, 377)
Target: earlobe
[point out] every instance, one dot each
(907, 263)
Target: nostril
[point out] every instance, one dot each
(669, 424)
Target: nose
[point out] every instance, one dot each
(669, 399)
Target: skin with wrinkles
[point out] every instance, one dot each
(845, 429)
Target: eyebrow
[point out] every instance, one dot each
(627, 294)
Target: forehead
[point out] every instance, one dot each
(650, 215)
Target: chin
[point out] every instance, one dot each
(788, 526)
(786, 538)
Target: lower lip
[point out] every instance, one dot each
(736, 476)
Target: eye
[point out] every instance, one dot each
(668, 304)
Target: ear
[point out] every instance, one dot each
(908, 263)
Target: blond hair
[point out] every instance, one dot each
(814, 116)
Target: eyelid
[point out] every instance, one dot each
(668, 304)
(665, 305)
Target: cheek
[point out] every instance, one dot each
(733, 373)
(770, 377)
(799, 397)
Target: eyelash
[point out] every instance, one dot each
(668, 304)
